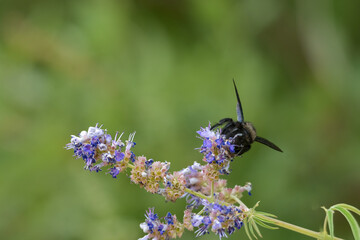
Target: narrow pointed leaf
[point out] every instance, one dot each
(264, 220)
(256, 205)
(348, 207)
(351, 220)
(264, 225)
(252, 229)
(256, 228)
(266, 214)
(330, 217)
(247, 230)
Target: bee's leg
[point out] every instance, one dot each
(244, 149)
(229, 129)
(221, 122)
(238, 135)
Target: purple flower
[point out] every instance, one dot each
(108, 138)
(221, 233)
(114, 172)
(119, 156)
(106, 157)
(129, 142)
(217, 218)
(96, 146)
(95, 131)
(231, 230)
(96, 168)
(150, 215)
(216, 149)
(201, 231)
(193, 201)
(95, 141)
(150, 225)
(162, 229)
(232, 148)
(88, 150)
(206, 132)
(238, 223)
(220, 142)
(216, 226)
(132, 157)
(89, 161)
(196, 220)
(206, 221)
(210, 157)
(117, 141)
(155, 228)
(207, 143)
(102, 147)
(149, 162)
(169, 218)
(221, 218)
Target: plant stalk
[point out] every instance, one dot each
(292, 227)
(289, 226)
(200, 195)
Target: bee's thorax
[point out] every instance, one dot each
(250, 129)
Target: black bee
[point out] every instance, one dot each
(243, 133)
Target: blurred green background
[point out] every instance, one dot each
(164, 68)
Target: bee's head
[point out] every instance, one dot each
(250, 129)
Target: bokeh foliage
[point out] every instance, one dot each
(164, 68)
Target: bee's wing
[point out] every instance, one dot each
(239, 111)
(267, 143)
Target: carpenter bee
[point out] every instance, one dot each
(242, 133)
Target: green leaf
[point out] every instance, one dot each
(256, 205)
(350, 218)
(330, 217)
(266, 214)
(264, 220)
(247, 229)
(348, 207)
(264, 225)
(252, 230)
(256, 228)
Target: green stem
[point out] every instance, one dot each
(245, 208)
(292, 227)
(202, 210)
(210, 199)
(325, 223)
(200, 195)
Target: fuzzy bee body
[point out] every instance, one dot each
(242, 133)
